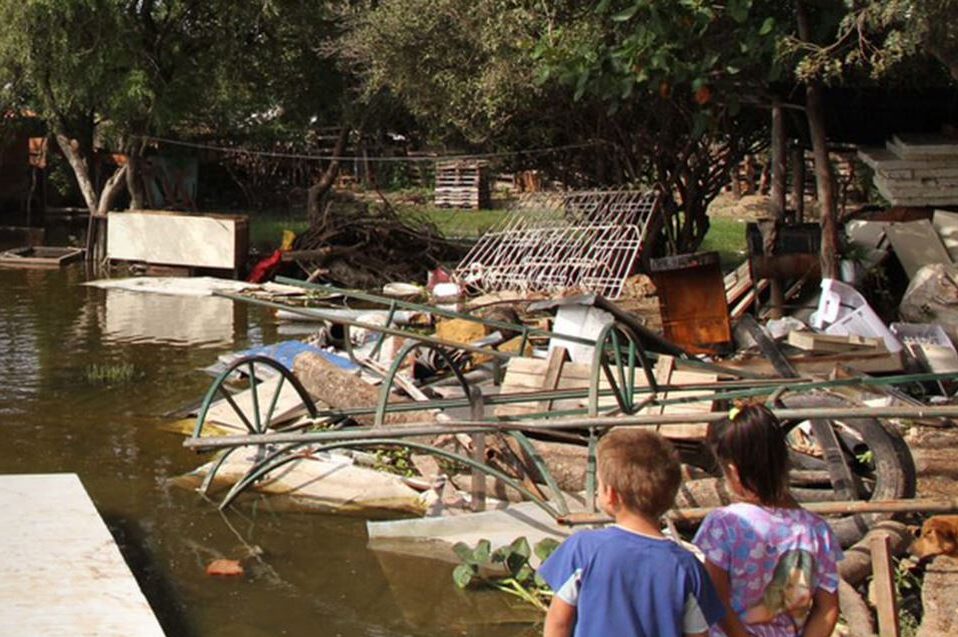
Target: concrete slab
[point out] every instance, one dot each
(434, 537)
(916, 244)
(61, 572)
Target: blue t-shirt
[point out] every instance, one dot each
(625, 583)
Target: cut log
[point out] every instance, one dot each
(341, 390)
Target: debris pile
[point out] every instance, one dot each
(471, 404)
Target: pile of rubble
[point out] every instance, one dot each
(471, 403)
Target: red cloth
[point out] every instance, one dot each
(264, 270)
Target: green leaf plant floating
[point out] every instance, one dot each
(506, 569)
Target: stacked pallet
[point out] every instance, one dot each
(915, 170)
(462, 184)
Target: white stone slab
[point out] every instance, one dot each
(169, 238)
(61, 572)
(923, 146)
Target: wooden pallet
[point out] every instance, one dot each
(462, 184)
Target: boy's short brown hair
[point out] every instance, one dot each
(642, 467)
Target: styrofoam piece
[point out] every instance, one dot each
(843, 311)
(578, 320)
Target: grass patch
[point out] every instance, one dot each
(266, 228)
(727, 237)
(454, 223)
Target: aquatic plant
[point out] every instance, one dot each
(110, 373)
(506, 569)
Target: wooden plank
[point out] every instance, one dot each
(61, 572)
(813, 342)
(288, 406)
(553, 372)
(883, 575)
(868, 363)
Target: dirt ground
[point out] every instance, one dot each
(935, 452)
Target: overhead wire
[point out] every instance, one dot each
(310, 157)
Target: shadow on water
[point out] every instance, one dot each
(60, 412)
(152, 576)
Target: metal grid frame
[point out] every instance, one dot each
(551, 242)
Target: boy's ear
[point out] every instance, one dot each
(612, 495)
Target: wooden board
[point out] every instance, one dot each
(946, 225)
(40, 257)
(667, 374)
(813, 342)
(525, 375)
(868, 363)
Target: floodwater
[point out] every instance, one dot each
(315, 577)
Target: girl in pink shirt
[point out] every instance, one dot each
(774, 564)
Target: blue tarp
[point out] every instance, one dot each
(286, 351)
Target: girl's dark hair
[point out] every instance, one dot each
(752, 439)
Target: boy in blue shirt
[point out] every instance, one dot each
(629, 579)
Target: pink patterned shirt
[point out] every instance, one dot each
(775, 559)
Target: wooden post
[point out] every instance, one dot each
(883, 576)
(778, 201)
(815, 113)
(478, 500)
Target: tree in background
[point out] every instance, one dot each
(110, 73)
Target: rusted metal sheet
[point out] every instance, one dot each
(692, 301)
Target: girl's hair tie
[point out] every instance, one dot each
(734, 412)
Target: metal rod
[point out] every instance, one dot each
(427, 428)
(848, 507)
(736, 389)
(429, 309)
(369, 326)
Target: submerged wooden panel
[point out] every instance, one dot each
(61, 572)
(40, 257)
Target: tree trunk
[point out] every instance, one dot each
(315, 196)
(798, 183)
(777, 294)
(134, 178)
(823, 173)
(81, 170)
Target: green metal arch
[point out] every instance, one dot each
(249, 362)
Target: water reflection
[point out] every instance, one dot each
(179, 321)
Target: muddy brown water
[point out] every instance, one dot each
(317, 576)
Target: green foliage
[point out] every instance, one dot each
(880, 39)
(110, 373)
(696, 51)
(397, 460)
(506, 569)
(464, 69)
